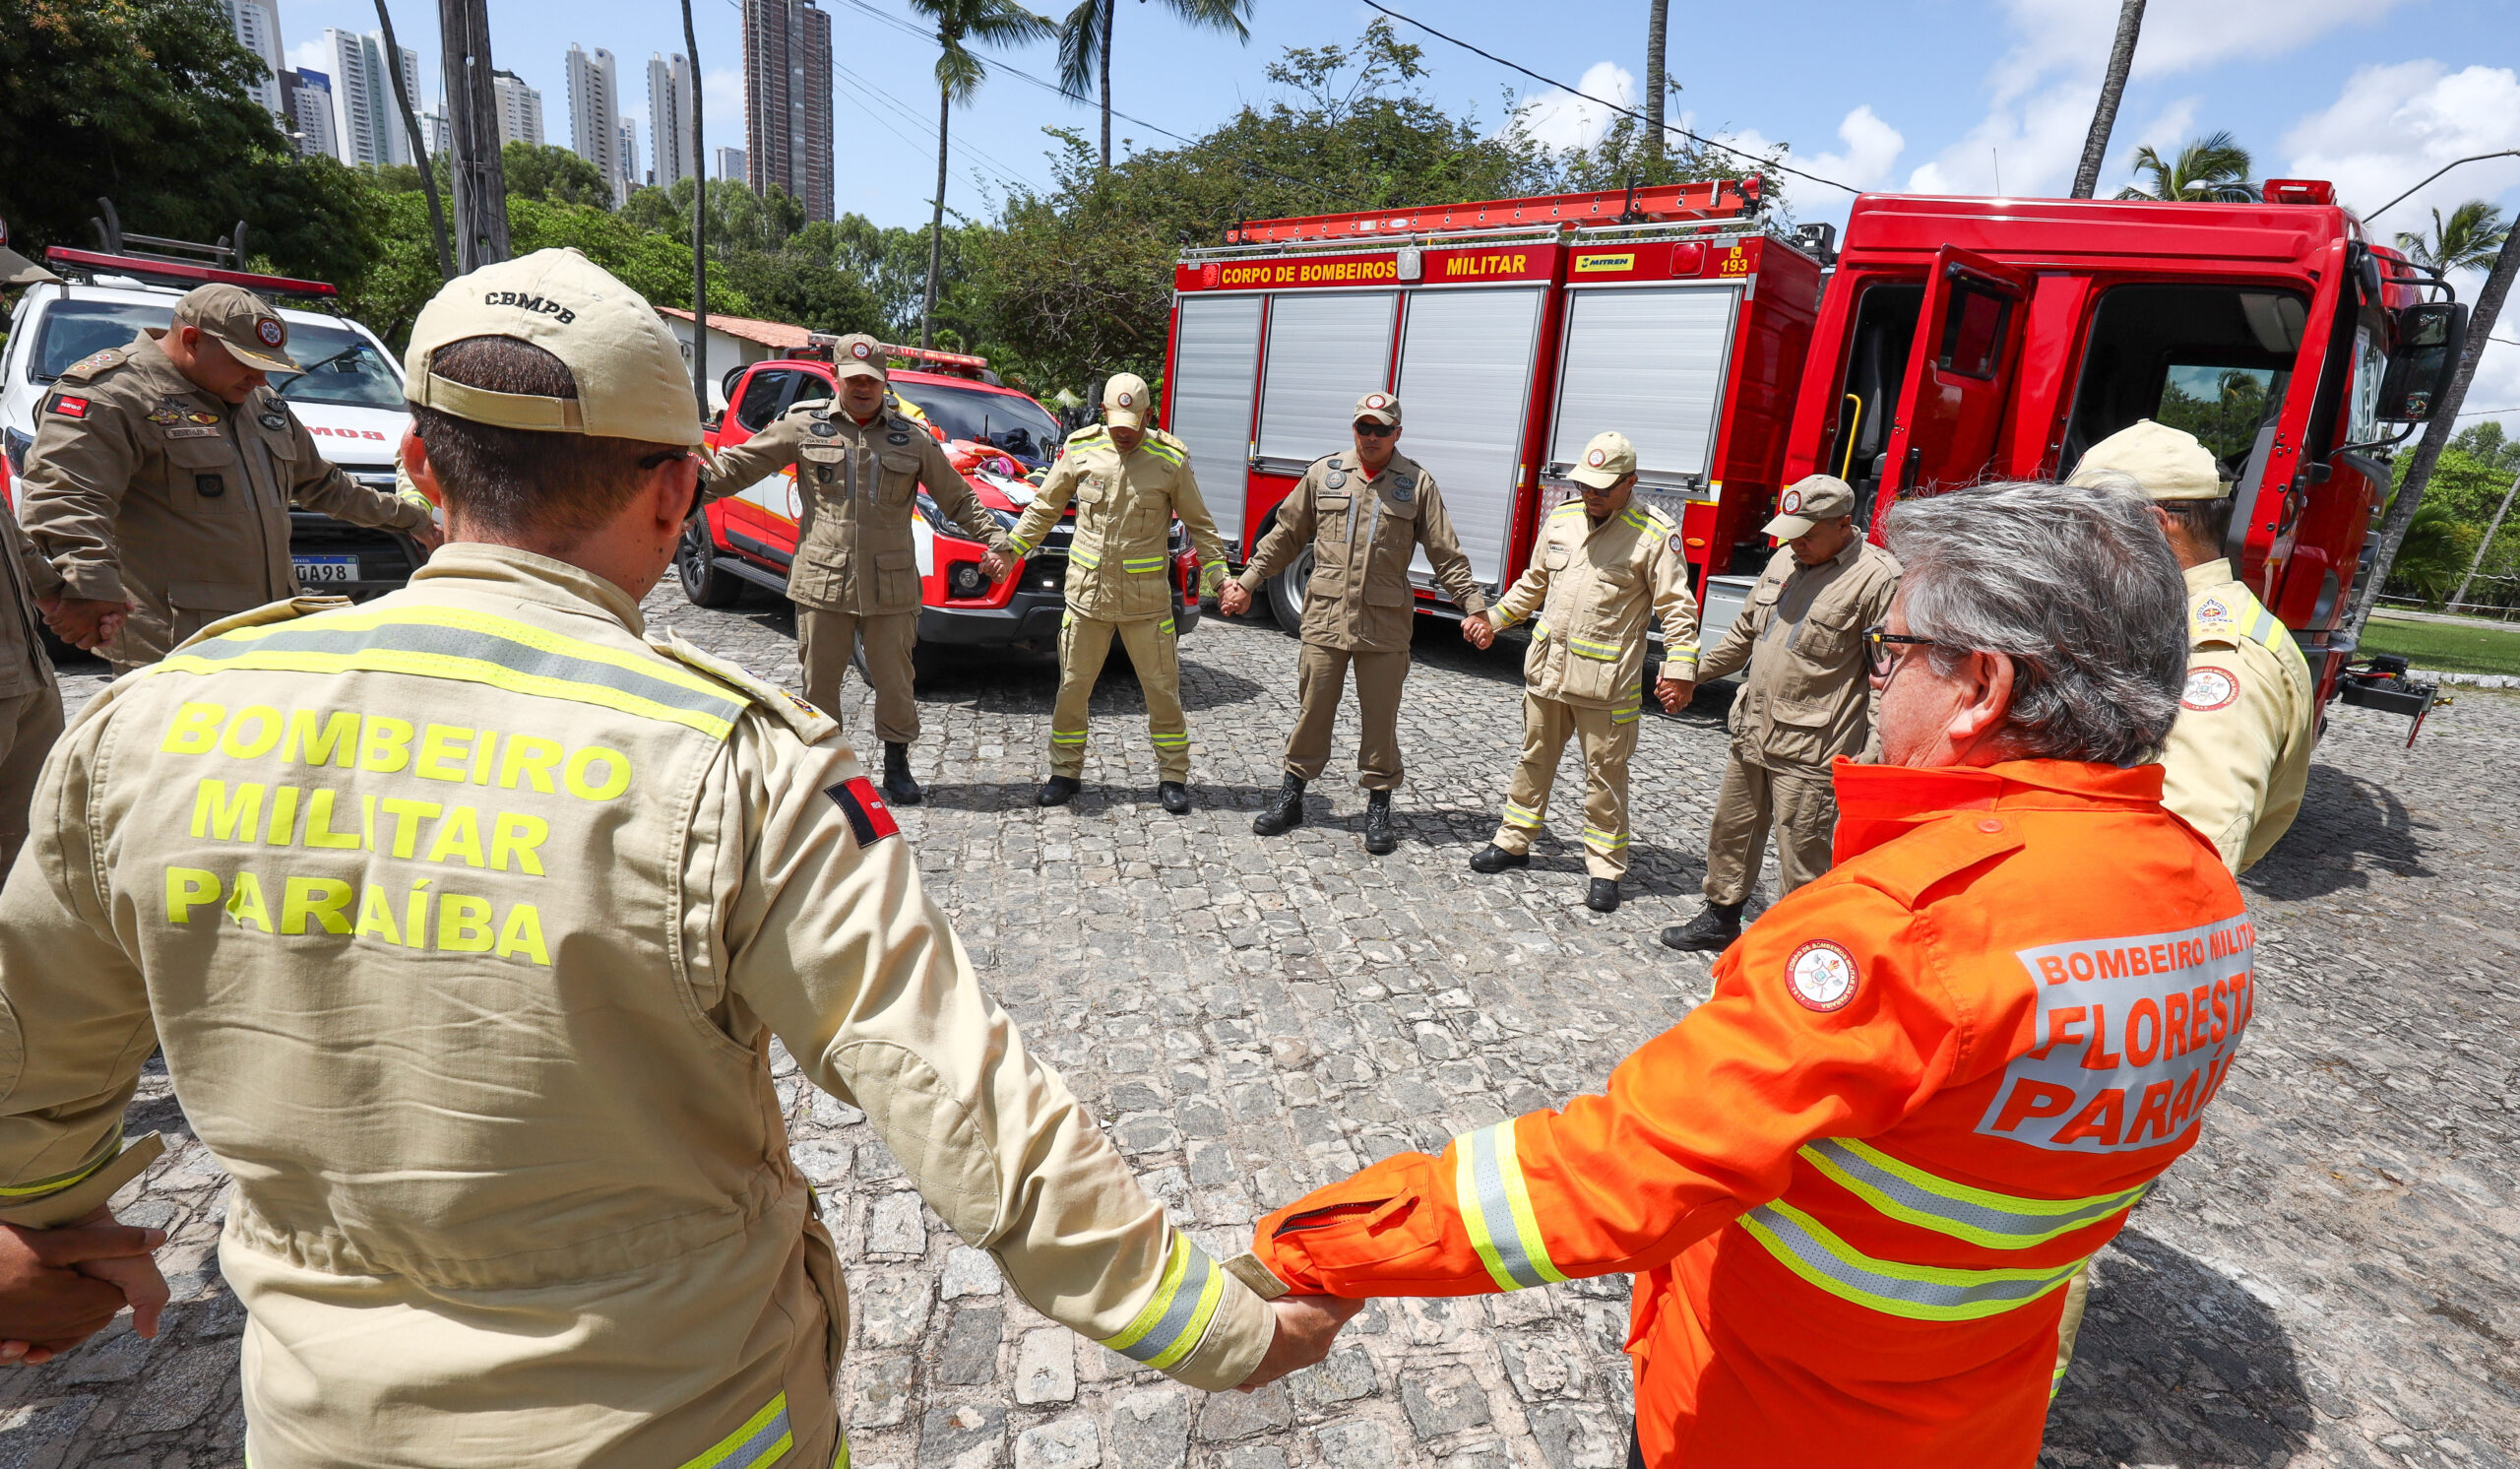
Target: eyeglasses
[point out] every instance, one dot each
(1877, 642)
(1377, 430)
(663, 457)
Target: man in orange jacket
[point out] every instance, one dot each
(1929, 1084)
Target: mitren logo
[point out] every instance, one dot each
(1596, 265)
(2135, 1036)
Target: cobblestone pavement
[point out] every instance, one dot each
(2328, 1280)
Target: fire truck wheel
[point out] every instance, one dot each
(1287, 590)
(695, 562)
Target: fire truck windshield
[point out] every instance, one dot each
(2213, 359)
(1010, 420)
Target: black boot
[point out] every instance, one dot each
(1058, 790)
(899, 788)
(1380, 839)
(1284, 813)
(1175, 795)
(1713, 931)
(1494, 859)
(1603, 895)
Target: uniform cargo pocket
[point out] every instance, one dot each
(1827, 635)
(1375, 1219)
(896, 577)
(1797, 730)
(1381, 592)
(899, 476)
(222, 598)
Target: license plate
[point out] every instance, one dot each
(312, 569)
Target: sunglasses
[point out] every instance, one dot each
(1377, 430)
(1878, 643)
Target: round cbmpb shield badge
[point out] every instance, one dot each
(2209, 688)
(1792, 501)
(1375, 400)
(1596, 459)
(1127, 400)
(271, 330)
(859, 350)
(1822, 975)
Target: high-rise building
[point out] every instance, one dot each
(435, 135)
(629, 152)
(368, 119)
(669, 119)
(308, 95)
(594, 114)
(731, 163)
(520, 109)
(788, 137)
(257, 28)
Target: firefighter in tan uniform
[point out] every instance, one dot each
(1805, 701)
(1365, 514)
(516, 899)
(859, 466)
(162, 475)
(1128, 481)
(30, 697)
(1602, 572)
(2239, 754)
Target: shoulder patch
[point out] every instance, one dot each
(869, 819)
(810, 724)
(66, 406)
(1571, 507)
(1662, 521)
(95, 362)
(2209, 688)
(1086, 435)
(1822, 975)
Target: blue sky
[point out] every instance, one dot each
(1936, 94)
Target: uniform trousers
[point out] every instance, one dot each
(1803, 810)
(824, 641)
(1608, 739)
(28, 724)
(1084, 643)
(1321, 672)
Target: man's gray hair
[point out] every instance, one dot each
(2076, 585)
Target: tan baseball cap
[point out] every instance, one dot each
(1607, 458)
(631, 380)
(2165, 463)
(1126, 400)
(1806, 502)
(1380, 408)
(859, 355)
(240, 321)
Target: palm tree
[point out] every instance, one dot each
(1084, 46)
(2212, 169)
(2466, 241)
(958, 73)
(2113, 90)
(1657, 30)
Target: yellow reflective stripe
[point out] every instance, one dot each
(1997, 1221)
(1604, 840)
(1594, 649)
(471, 647)
(1143, 563)
(1918, 1293)
(1023, 548)
(1169, 1326)
(1067, 737)
(1496, 1209)
(1540, 631)
(1090, 560)
(2264, 627)
(1635, 518)
(1164, 626)
(106, 1152)
(1170, 741)
(763, 1438)
(1212, 575)
(1498, 619)
(1523, 816)
(1164, 452)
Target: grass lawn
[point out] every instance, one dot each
(2451, 647)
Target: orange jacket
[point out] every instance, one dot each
(1927, 1087)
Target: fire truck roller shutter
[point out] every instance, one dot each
(1466, 375)
(1650, 363)
(1216, 366)
(1326, 351)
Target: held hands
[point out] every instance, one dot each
(430, 535)
(61, 1286)
(1479, 633)
(995, 566)
(83, 624)
(1307, 1325)
(1674, 693)
(1232, 600)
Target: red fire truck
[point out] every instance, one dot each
(1514, 330)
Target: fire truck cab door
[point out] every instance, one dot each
(1969, 335)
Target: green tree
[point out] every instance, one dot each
(2468, 240)
(959, 74)
(1084, 46)
(553, 176)
(2212, 169)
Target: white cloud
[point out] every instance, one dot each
(1559, 119)
(311, 55)
(1871, 147)
(2391, 125)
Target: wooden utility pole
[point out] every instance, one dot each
(699, 227)
(419, 145)
(2113, 90)
(472, 134)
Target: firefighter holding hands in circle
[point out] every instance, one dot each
(1128, 480)
(162, 475)
(1930, 1082)
(526, 1197)
(1805, 702)
(1604, 569)
(861, 465)
(1364, 513)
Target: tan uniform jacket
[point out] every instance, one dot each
(1119, 565)
(465, 918)
(24, 667)
(1364, 533)
(2239, 754)
(1806, 699)
(141, 487)
(859, 487)
(1596, 591)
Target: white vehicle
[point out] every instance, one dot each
(349, 397)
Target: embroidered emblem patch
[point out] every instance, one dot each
(166, 415)
(1792, 503)
(1335, 479)
(1596, 458)
(68, 407)
(197, 417)
(897, 438)
(1822, 975)
(271, 330)
(822, 429)
(868, 818)
(1127, 400)
(2209, 688)
(859, 350)
(1678, 546)
(2211, 610)
(1376, 402)
(271, 419)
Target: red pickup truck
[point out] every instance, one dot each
(996, 436)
